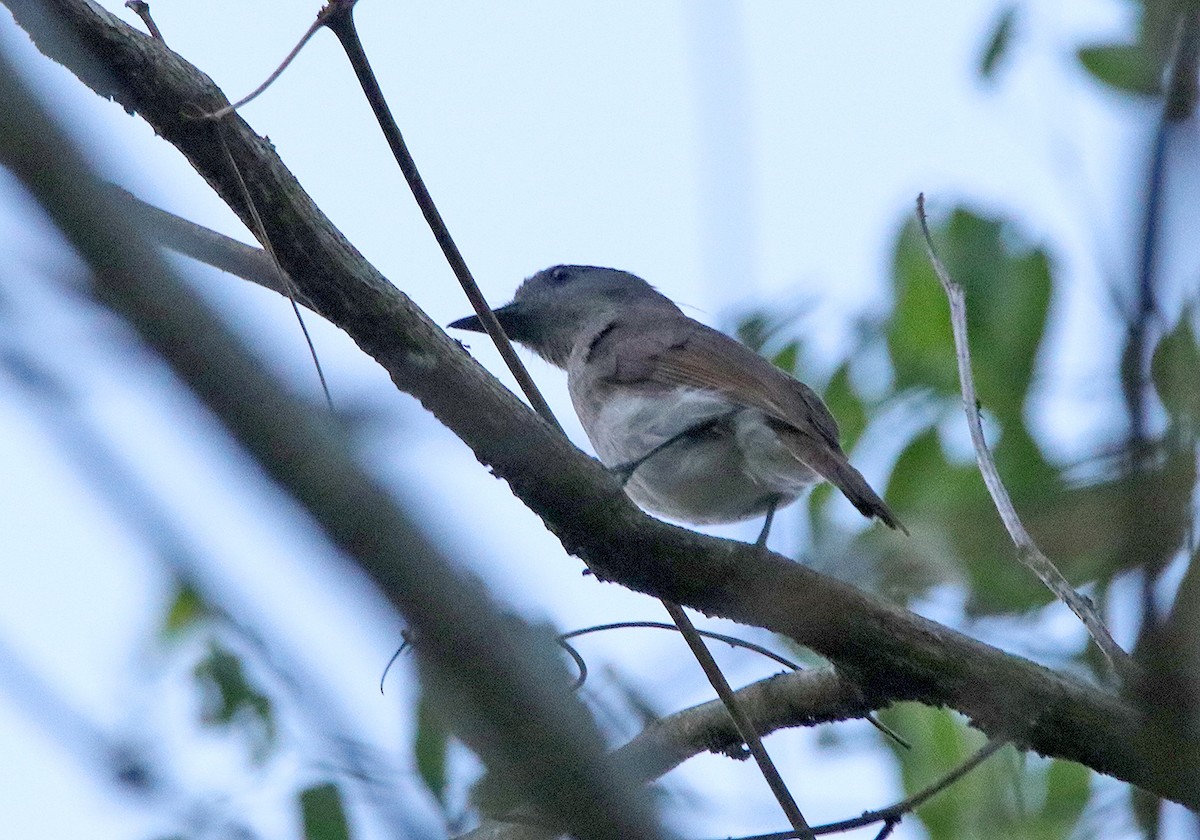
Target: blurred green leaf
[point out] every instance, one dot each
(187, 608)
(1008, 796)
(431, 748)
(787, 357)
(1068, 788)
(1007, 285)
(940, 743)
(847, 407)
(1092, 532)
(998, 42)
(323, 814)
(1128, 68)
(755, 330)
(1175, 370)
(228, 699)
(919, 338)
(926, 482)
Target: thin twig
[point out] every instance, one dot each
(229, 109)
(1145, 318)
(260, 233)
(742, 721)
(338, 15)
(892, 814)
(1027, 551)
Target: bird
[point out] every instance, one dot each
(699, 427)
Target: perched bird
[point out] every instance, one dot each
(702, 428)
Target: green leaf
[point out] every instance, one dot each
(755, 330)
(998, 42)
(919, 336)
(847, 407)
(1007, 284)
(1068, 790)
(229, 700)
(940, 743)
(925, 481)
(431, 748)
(787, 357)
(1012, 796)
(187, 608)
(1128, 68)
(1175, 370)
(323, 814)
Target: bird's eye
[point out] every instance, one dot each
(560, 274)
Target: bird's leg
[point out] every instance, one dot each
(626, 471)
(761, 542)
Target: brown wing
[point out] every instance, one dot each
(672, 351)
(706, 358)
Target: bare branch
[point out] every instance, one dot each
(204, 244)
(1027, 551)
(484, 664)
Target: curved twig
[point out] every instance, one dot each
(892, 814)
(1027, 551)
(732, 641)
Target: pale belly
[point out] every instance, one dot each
(726, 465)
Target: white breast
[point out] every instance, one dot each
(729, 473)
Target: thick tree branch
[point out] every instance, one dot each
(500, 684)
(890, 653)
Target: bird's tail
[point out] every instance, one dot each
(839, 472)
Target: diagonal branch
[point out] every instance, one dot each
(501, 684)
(889, 652)
(338, 15)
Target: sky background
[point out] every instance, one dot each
(739, 156)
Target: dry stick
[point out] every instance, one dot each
(1027, 551)
(290, 289)
(338, 15)
(732, 641)
(283, 65)
(741, 720)
(892, 814)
